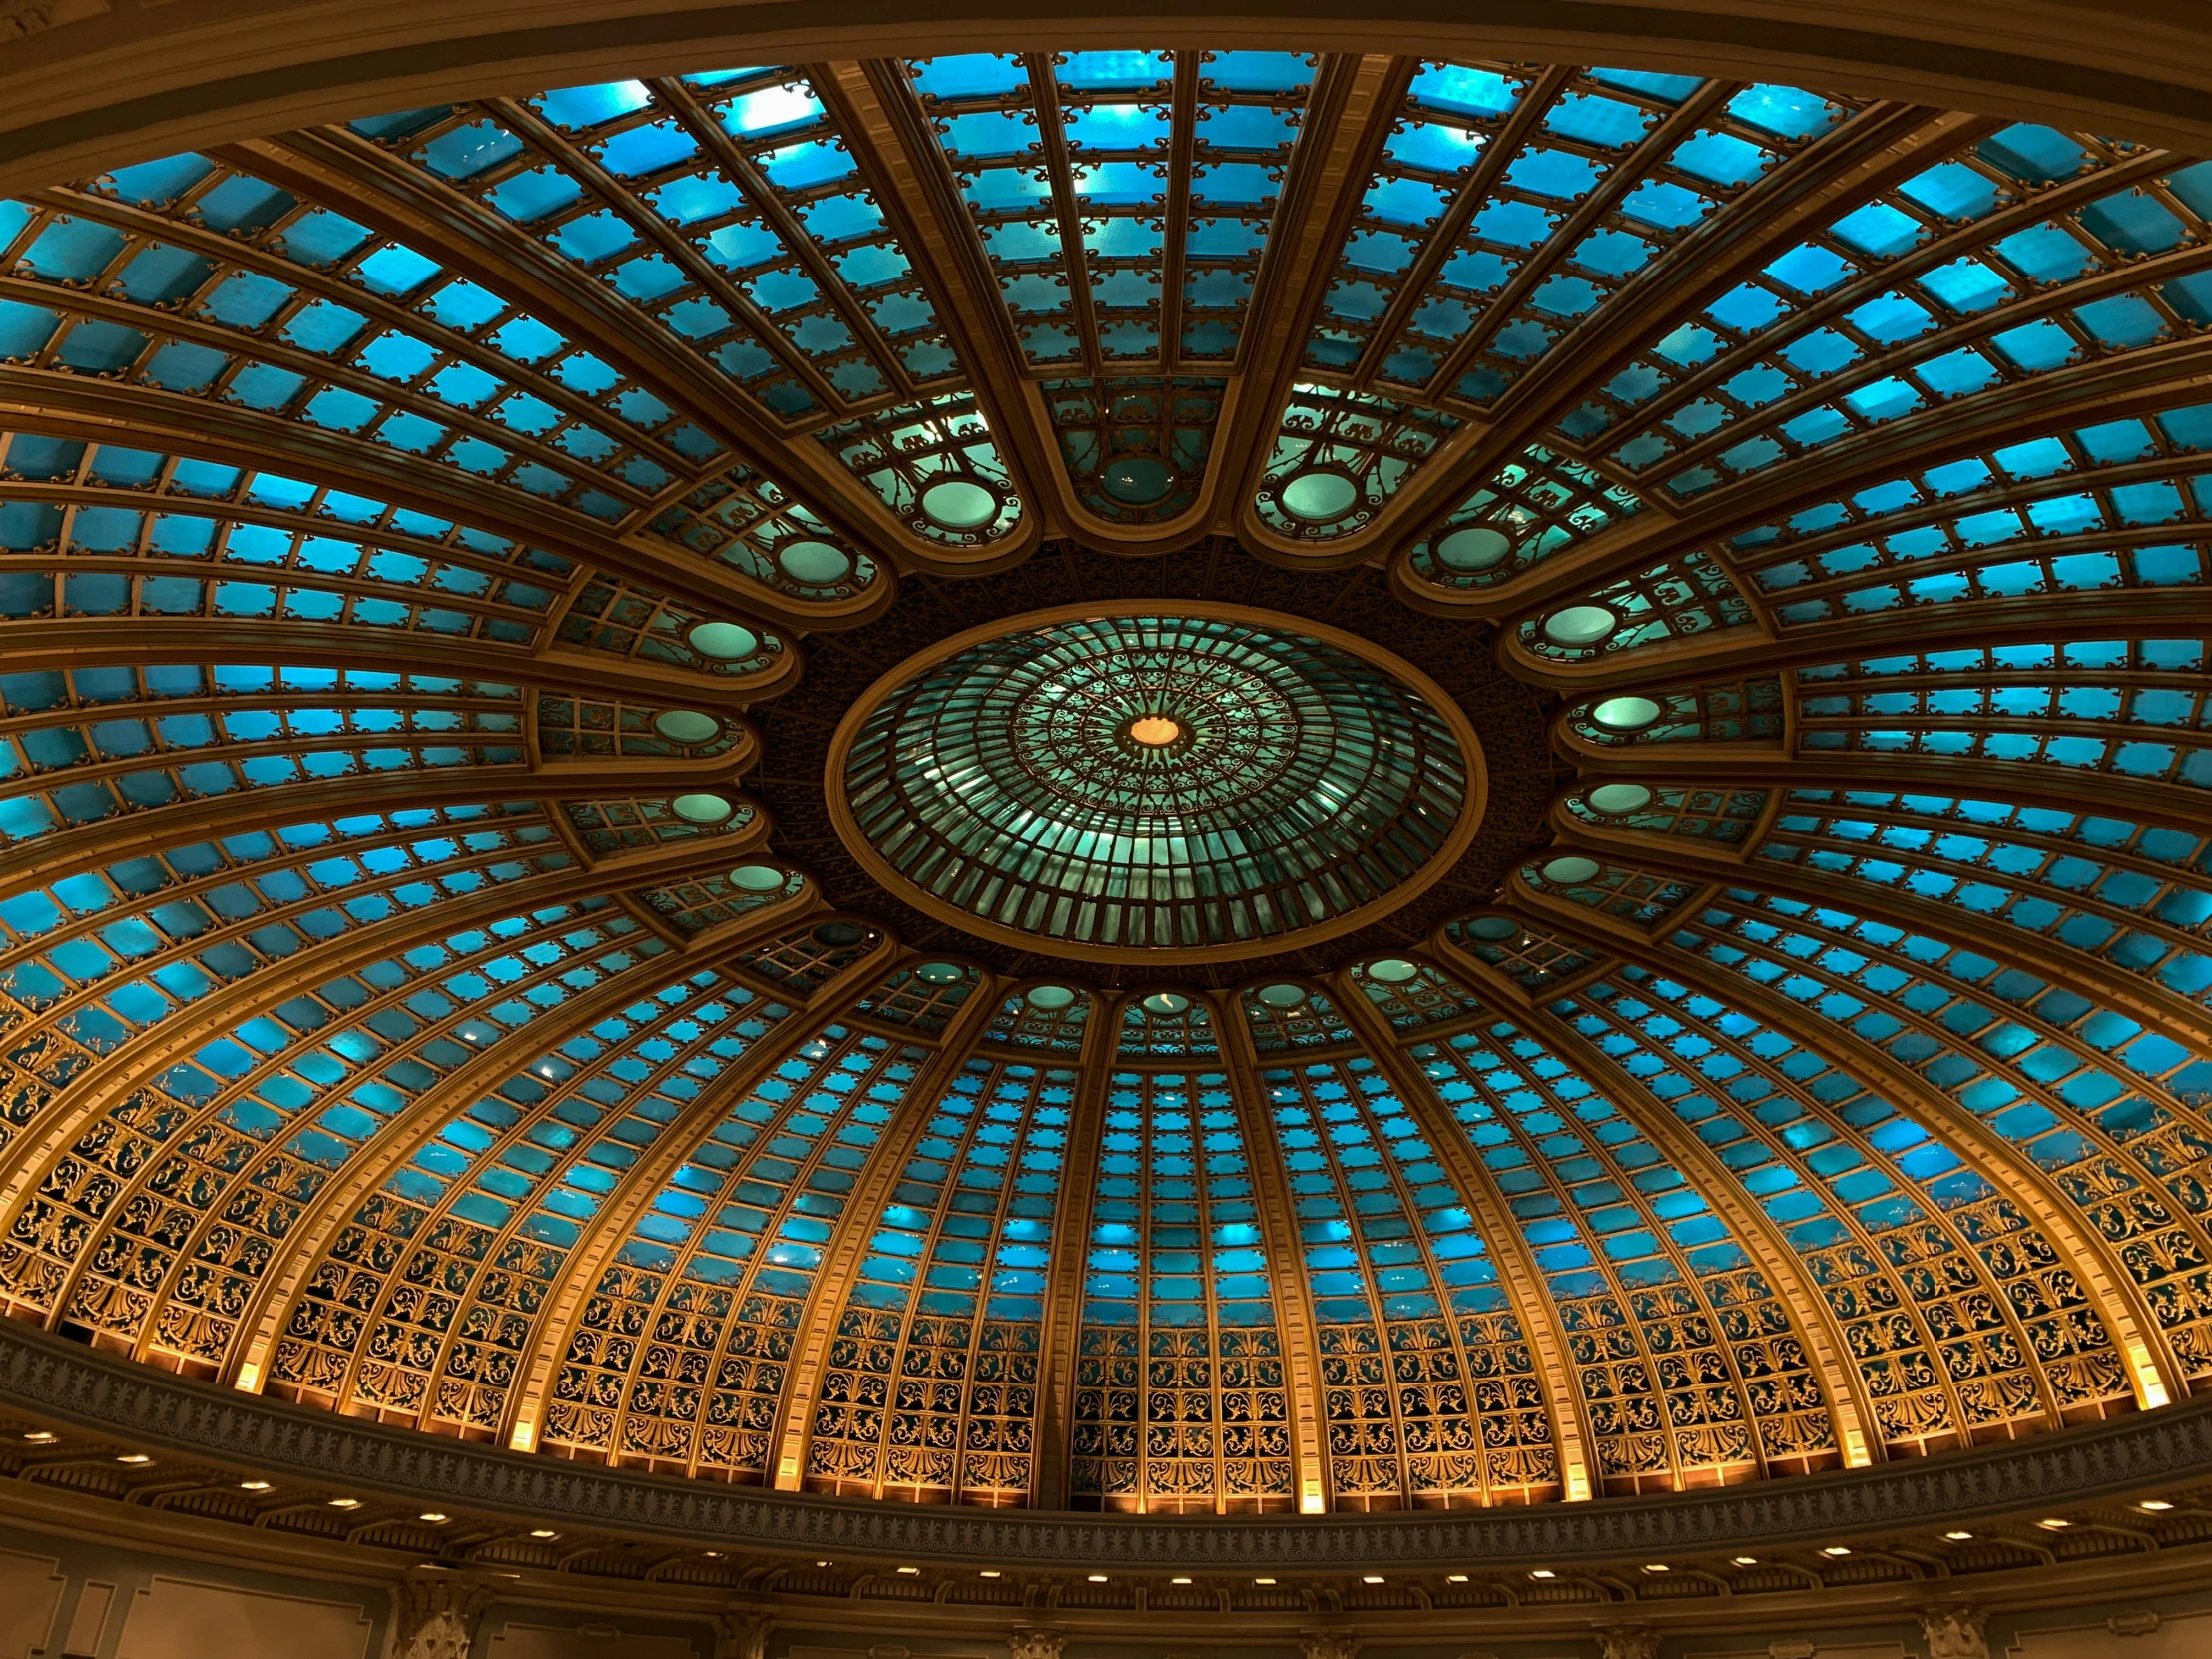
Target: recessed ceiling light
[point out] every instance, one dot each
(1747, 1560)
(988, 1572)
(1098, 1578)
(1178, 1581)
(545, 1532)
(40, 1436)
(346, 1503)
(1371, 1578)
(1543, 1572)
(253, 1486)
(430, 1515)
(1263, 1581)
(821, 1563)
(2054, 1525)
(1835, 1549)
(2154, 1505)
(1957, 1537)
(911, 1572)
(711, 1554)
(1455, 1578)
(1658, 1566)
(134, 1458)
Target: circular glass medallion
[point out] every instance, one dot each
(1473, 548)
(1166, 1002)
(1129, 785)
(1281, 996)
(687, 726)
(838, 935)
(959, 504)
(1137, 480)
(815, 563)
(724, 642)
(1318, 497)
(1625, 714)
(1580, 625)
(1491, 929)
(939, 973)
(1394, 970)
(702, 809)
(1568, 872)
(1050, 998)
(1619, 797)
(757, 878)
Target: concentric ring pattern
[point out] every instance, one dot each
(410, 1011)
(1145, 784)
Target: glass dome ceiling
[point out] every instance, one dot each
(408, 530)
(1139, 785)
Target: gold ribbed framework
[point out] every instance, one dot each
(408, 1012)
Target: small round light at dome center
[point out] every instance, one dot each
(1154, 731)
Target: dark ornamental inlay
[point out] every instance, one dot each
(1509, 716)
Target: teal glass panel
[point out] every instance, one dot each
(931, 1384)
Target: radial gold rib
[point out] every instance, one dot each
(1071, 1238)
(272, 1308)
(565, 1296)
(2111, 1289)
(871, 1189)
(1826, 1345)
(1499, 1228)
(1294, 1301)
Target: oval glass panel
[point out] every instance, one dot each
(1318, 497)
(1137, 480)
(687, 725)
(702, 809)
(1619, 797)
(1580, 625)
(816, 563)
(959, 504)
(1625, 714)
(724, 642)
(1474, 548)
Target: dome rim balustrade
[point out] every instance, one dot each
(56, 1381)
(1394, 670)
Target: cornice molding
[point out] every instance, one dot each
(53, 1380)
(156, 79)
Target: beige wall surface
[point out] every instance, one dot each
(173, 1618)
(30, 1591)
(2177, 1636)
(540, 1641)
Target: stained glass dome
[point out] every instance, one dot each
(1128, 786)
(549, 896)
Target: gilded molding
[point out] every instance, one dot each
(51, 1378)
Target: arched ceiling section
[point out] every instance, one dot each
(112, 76)
(429, 540)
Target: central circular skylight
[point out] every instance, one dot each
(1143, 785)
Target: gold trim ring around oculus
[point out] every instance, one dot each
(1159, 783)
